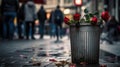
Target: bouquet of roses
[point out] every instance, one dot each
(87, 18)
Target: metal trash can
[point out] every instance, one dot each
(85, 43)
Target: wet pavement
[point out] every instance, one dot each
(27, 53)
(40, 53)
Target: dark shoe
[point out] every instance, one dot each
(110, 42)
(41, 37)
(33, 38)
(27, 38)
(116, 39)
(21, 37)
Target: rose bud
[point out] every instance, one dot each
(94, 20)
(105, 16)
(66, 20)
(76, 16)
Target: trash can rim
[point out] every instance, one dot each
(84, 24)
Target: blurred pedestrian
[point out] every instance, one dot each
(1, 27)
(42, 18)
(0, 24)
(106, 17)
(30, 18)
(52, 24)
(9, 10)
(112, 29)
(58, 20)
(21, 17)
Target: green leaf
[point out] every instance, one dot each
(71, 21)
(87, 17)
(87, 21)
(82, 20)
(91, 15)
(96, 13)
(86, 11)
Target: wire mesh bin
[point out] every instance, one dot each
(85, 43)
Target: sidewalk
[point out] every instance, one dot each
(13, 45)
(18, 53)
(23, 53)
(111, 52)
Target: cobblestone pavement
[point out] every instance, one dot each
(36, 53)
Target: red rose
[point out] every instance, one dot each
(66, 20)
(105, 16)
(94, 20)
(76, 16)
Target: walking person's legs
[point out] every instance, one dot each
(20, 30)
(5, 32)
(12, 21)
(41, 29)
(27, 29)
(110, 36)
(11, 28)
(51, 29)
(57, 32)
(1, 27)
(33, 30)
(60, 31)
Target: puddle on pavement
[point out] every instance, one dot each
(26, 50)
(49, 53)
(56, 54)
(60, 48)
(42, 54)
(41, 48)
(58, 41)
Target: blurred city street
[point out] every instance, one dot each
(59, 33)
(39, 52)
